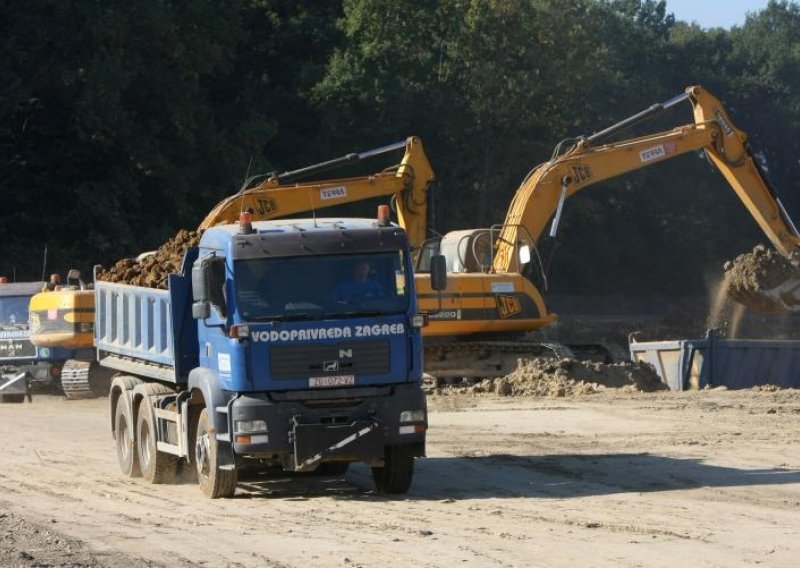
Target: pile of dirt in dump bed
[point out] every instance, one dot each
(546, 376)
(152, 270)
(750, 274)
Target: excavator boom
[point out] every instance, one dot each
(542, 194)
(279, 196)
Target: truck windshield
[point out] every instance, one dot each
(14, 309)
(311, 287)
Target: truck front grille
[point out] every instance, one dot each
(302, 361)
(17, 349)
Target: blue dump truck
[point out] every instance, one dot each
(289, 345)
(21, 362)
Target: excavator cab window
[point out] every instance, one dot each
(429, 249)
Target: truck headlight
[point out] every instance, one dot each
(412, 416)
(250, 426)
(239, 331)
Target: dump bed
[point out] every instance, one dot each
(147, 331)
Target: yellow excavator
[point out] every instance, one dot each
(487, 294)
(61, 320)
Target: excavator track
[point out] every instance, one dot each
(472, 360)
(84, 379)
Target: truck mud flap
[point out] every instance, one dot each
(313, 443)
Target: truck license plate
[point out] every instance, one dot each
(333, 381)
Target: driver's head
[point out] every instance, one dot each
(361, 271)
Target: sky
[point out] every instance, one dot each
(714, 13)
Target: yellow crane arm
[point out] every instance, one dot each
(278, 196)
(543, 192)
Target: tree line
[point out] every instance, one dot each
(122, 122)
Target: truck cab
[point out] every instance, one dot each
(295, 345)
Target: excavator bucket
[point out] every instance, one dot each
(765, 281)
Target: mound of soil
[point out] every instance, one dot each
(551, 377)
(751, 274)
(151, 270)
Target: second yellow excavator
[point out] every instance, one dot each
(488, 297)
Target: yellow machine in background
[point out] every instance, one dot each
(488, 297)
(61, 319)
(63, 316)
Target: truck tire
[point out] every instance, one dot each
(12, 398)
(125, 440)
(156, 466)
(214, 481)
(397, 472)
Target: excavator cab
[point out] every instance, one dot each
(63, 315)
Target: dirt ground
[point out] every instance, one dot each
(613, 478)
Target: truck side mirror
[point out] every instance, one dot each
(438, 272)
(201, 307)
(208, 278)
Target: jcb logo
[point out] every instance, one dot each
(581, 173)
(508, 305)
(266, 206)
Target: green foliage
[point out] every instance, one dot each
(122, 122)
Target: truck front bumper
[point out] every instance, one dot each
(302, 429)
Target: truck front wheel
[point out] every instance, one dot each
(125, 441)
(214, 481)
(397, 472)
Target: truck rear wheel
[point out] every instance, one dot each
(397, 472)
(125, 441)
(214, 481)
(156, 466)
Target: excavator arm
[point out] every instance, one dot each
(542, 194)
(279, 196)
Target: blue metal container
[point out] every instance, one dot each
(714, 361)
